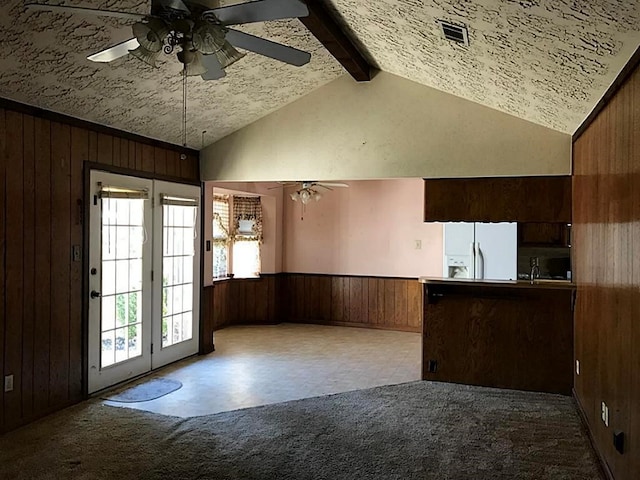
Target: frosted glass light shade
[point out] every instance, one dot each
(228, 55)
(195, 66)
(151, 34)
(145, 55)
(305, 196)
(208, 38)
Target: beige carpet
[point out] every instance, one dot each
(419, 430)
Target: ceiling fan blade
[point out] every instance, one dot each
(260, 11)
(214, 69)
(117, 51)
(334, 185)
(268, 48)
(177, 5)
(85, 11)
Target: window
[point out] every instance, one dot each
(247, 236)
(221, 238)
(236, 237)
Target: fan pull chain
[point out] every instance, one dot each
(184, 106)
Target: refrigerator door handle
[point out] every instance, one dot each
(479, 262)
(473, 266)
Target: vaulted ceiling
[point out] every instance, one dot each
(547, 61)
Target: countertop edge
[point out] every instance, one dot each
(472, 282)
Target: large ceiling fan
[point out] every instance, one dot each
(201, 32)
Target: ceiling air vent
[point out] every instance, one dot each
(455, 33)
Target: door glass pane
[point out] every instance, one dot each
(121, 307)
(178, 234)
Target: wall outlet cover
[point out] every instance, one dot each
(8, 383)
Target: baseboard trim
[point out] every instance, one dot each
(604, 466)
(398, 328)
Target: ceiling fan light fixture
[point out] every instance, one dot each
(208, 38)
(228, 55)
(195, 66)
(145, 56)
(295, 196)
(151, 34)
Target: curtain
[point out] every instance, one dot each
(247, 209)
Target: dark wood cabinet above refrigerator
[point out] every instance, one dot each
(498, 199)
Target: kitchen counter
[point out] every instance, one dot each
(505, 334)
(471, 282)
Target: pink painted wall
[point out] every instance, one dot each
(369, 228)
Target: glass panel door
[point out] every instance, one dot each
(144, 276)
(178, 256)
(119, 279)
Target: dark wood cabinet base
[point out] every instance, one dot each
(518, 338)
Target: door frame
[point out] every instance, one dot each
(83, 210)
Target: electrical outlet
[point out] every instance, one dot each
(8, 383)
(577, 367)
(418, 244)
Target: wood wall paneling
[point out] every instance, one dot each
(607, 271)
(28, 264)
(388, 303)
(60, 262)
(42, 166)
(370, 302)
(42, 301)
(79, 152)
(13, 267)
(3, 164)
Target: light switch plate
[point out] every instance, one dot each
(8, 383)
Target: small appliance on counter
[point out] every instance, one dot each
(481, 250)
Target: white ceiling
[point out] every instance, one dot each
(43, 63)
(547, 61)
(542, 60)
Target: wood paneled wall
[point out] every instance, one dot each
(373, 302)
(240, 301)
(41, 217)
(370, 302)
(606, 239)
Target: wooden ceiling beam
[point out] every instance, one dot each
(324, 27)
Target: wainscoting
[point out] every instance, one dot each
(371, 302)
(238, 301)
(606, 236)
(42, 162)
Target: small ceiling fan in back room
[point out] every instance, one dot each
(309, 190)
(199, 30)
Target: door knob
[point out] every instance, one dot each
(95, 294)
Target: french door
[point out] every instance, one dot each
(144, 279)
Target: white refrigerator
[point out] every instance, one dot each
(481, 250)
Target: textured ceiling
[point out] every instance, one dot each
(43, 63)
(547, 61)
(542, 60)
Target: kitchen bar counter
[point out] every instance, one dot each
(472, 282)
(505, 334)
